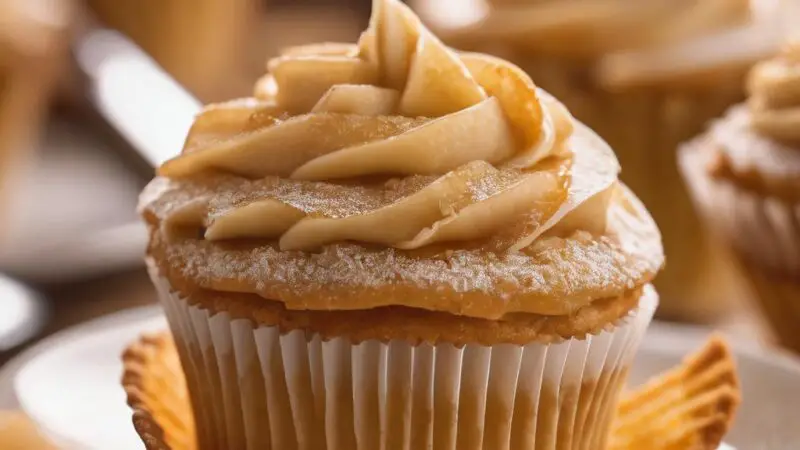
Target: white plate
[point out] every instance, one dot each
(69, 384)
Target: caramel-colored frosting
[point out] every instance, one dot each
(399, 172)
(397, 141)
(775, 96)
(593, 27)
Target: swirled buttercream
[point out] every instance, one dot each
(397, 141)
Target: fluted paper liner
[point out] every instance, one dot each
(253, 387)
(691, 406)
(156, 389)
(765, 233)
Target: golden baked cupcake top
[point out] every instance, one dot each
(399, 172)
(758, 143)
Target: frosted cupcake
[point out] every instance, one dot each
(393, 245)
(745, 176)
(646, 76)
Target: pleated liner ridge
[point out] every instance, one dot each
(254, 388)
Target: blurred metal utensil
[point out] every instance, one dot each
(134, 95)
(24, 314)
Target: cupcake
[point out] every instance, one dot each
(645, 76)
(744, 174)
(393, 245)
(691, 406)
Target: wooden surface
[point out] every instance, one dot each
(79, 302)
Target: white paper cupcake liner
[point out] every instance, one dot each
(253, 387)
(764, 230)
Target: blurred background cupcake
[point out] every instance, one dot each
(645, 75)
(745, 176)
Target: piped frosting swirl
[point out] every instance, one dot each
(397, 141)
(775, 96)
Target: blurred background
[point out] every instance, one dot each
(95, 93)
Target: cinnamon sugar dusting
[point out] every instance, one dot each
(545, 282)
(555, 275)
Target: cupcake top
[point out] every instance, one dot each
(759, 142)
(399, 172)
